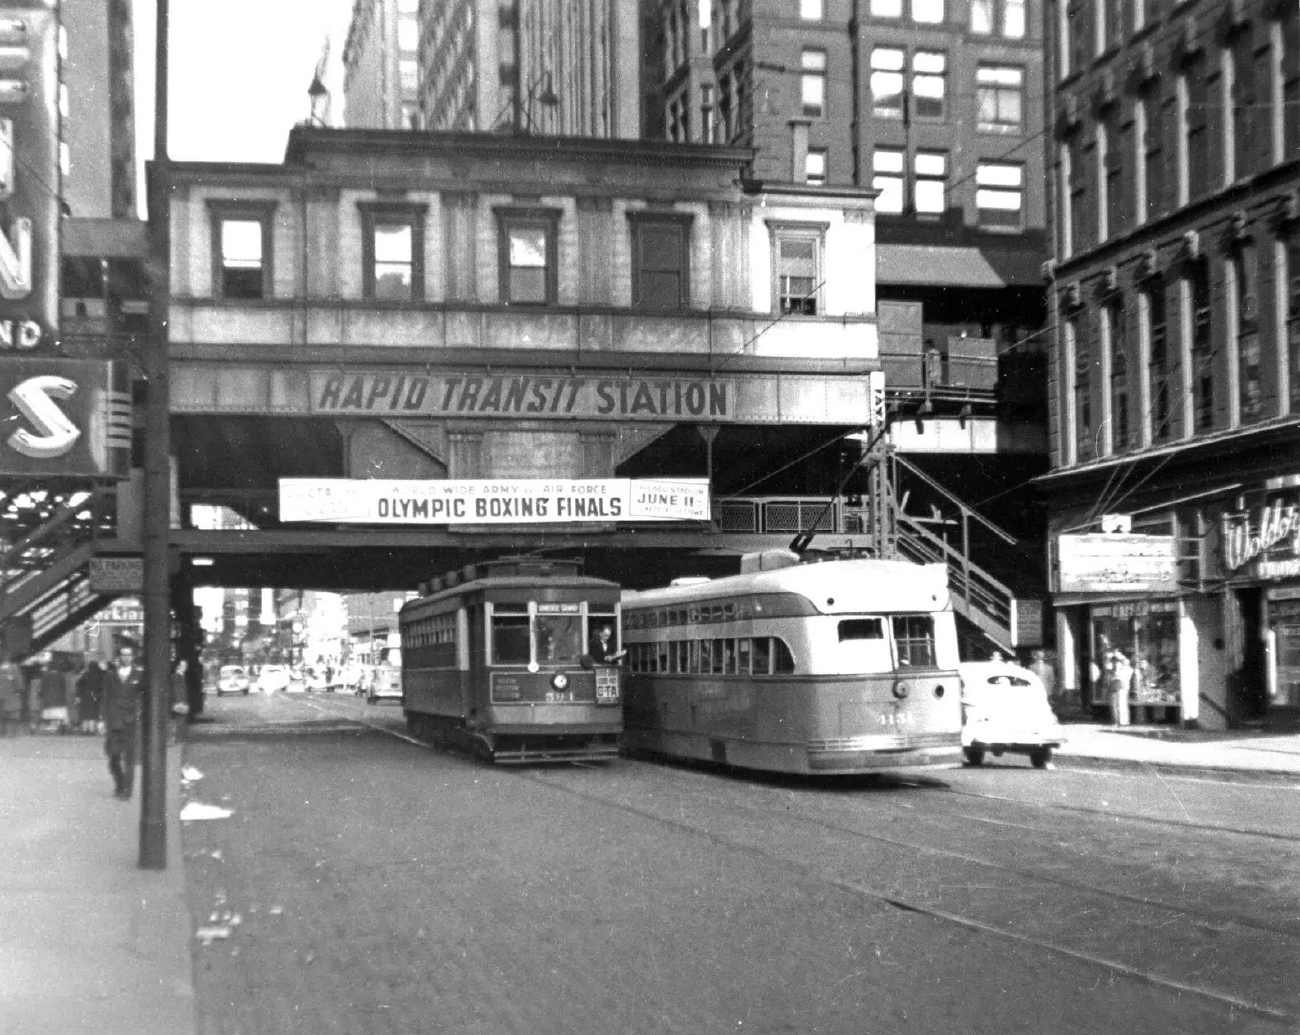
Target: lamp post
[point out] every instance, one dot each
(157, 489)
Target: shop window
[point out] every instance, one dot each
(999, 98)
(241, 247)
(393, 252)
(796, 264)
(527, 255)
(1135, 656)
(660, 262)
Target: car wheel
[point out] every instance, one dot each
(245, 691)
(1039, 757)
(975, 755)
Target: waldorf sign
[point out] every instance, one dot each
(492, 501)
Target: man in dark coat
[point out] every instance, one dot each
(123, 692)
(90, 685)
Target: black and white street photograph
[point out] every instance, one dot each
(665, 517)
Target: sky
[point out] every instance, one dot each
(238, 73)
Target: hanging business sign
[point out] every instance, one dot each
(62, 417)
(1117, 563)
(529, 396)
(1267, 538)
(29, 176)
(492, 501)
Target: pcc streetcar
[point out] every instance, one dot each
(495, 660)
(837, 667)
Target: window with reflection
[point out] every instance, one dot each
(393, 252)
(527, 248)
(241, 249)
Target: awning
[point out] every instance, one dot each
(950, 266)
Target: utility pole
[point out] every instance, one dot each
(157, 487)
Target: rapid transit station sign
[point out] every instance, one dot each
(492, 501)
(531, 396)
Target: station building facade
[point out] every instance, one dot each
(1174, 186)
(462, 306)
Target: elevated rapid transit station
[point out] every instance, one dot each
(391, 318)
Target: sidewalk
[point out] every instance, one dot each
(90, 944)
(1241, 751)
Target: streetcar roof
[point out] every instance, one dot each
(833, 587)
(525, 583)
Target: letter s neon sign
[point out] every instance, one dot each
(35, 398)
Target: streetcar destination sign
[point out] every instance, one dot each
(380, 501)
(532, 396)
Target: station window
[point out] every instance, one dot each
(241, 249)
(527, 252)
(796, 267)
(393, 252)
(660, 261)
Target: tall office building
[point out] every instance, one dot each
(1175, 402)
(545, 67)
(381, 65)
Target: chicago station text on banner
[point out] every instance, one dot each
(492, 501)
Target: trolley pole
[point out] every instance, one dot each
(157, 488)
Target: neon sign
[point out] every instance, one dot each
(1244, 541)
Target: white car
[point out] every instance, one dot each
(273, 679)
(232, 679)
(1005, 710)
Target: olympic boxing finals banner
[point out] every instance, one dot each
(492, 501)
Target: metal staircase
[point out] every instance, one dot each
(45, 587)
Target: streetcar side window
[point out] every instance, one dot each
(742, 655)
(782, 660)
(694, 647)
(861, 629)
(914, 640)
(510, 634)
(762, 656)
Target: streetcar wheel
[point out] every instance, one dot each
(975, 756)
(1039, 757)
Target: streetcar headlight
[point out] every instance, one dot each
(560, 681)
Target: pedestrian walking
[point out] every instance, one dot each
(1045, 671)
(90, 689)
(123, 693)
(12, 690)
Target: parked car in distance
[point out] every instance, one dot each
(273, 679)
(384, 683)
(232, 679)
(1005, 711)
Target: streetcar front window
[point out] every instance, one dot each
(510, 634)
(559, 637)
(914, 640)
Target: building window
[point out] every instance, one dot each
(814, 167)
(1083, 440)
(1078, 33)
(887, 82)
(526, 250)
(999, 98)
(661, 249)
(887, 8)
(1202, 351)
(929, 83)
(812, 86)
(1111, 162)
(1290, 57)
(981, 16)
(931, 168)
(241, 249)
(796, 264)
(1250, 368)
(984, 16)
(1117, 336)
(1013, 19)
(1157, 328)
(929, 12)
(392, 252)
(1249, 113)
(1292, 289)
(887, 177)
(810, 10)
(1196, 128)
(999, 194)
(1078, 186)
(1150, 130)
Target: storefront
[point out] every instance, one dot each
(1135, 650)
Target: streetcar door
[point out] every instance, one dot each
(477, 676)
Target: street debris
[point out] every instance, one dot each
(197, 810)
(214, 932)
